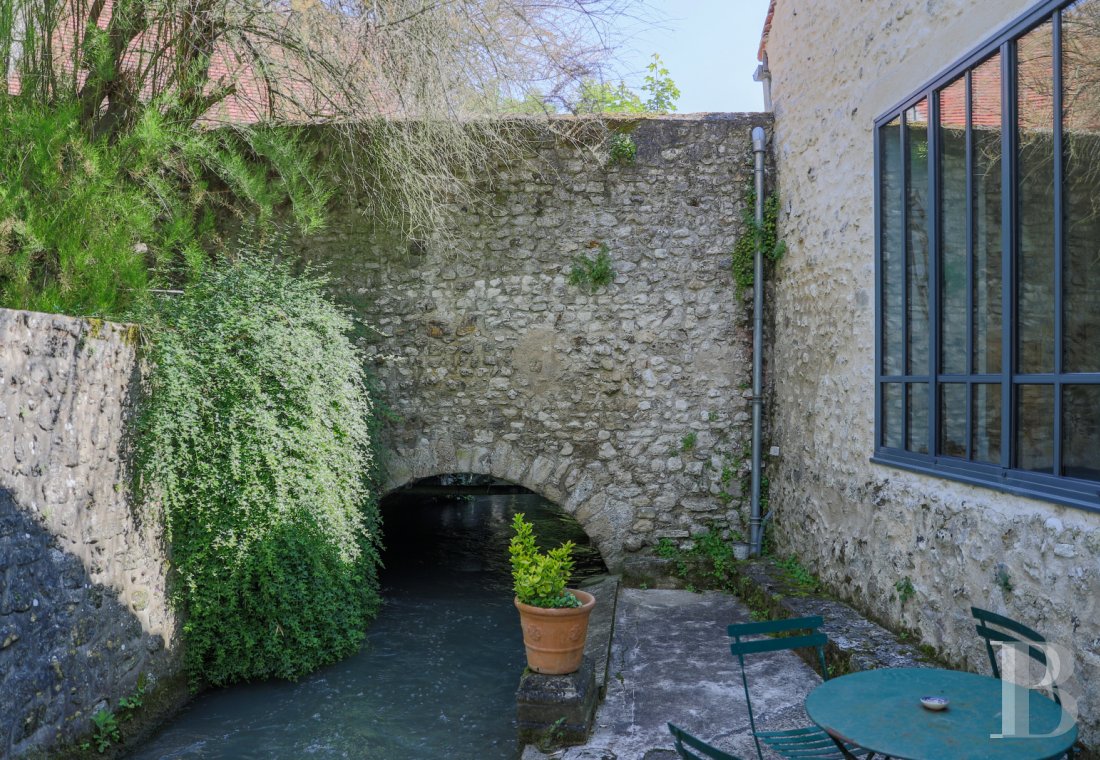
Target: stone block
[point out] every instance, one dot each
(557, 710)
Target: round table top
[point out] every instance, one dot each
(880, 710)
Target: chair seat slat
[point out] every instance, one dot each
(774, 645)
(762, 627)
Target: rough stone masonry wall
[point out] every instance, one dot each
(82, 596)
(863, 527)
(623, 406)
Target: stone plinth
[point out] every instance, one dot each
(557, 710)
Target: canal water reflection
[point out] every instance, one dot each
(438, 672)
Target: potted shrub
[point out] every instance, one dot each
(554, 618)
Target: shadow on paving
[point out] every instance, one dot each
(670, 661)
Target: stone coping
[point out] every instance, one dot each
(601, 625)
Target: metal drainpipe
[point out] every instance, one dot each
(756, 532)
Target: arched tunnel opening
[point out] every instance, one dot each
(454, 529)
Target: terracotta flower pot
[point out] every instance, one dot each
(554, 637)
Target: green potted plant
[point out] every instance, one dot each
(554, 618)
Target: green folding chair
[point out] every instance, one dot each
(993, 627)
(691, 748)
(811, 742)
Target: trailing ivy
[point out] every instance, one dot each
(744, 250)
(255, 440)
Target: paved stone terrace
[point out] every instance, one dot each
(670, 661)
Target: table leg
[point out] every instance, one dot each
(844, 751)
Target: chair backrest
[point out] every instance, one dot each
(740, 647)
(993, 627)
(691, 748)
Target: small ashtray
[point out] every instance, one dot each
(934, 703)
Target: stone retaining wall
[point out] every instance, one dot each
(83, 610)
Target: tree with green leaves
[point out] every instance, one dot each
(662, 91)
(658, 89)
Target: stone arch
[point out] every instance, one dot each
(563, 479)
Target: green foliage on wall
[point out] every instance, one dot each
(88, 225)
(621, 148)
(592, 273)
(744, 250)
(905, 589)
(256, 441)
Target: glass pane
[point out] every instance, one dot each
(1081, 431)
(953, 419)
(917, 403)
(985, 115)
(893, 247)
(1081, 197)
(985, 444)
(1035, 437)
(1035, 293)
(953, 229)
(892, 411)
(916, 194)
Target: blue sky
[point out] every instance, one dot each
(709, 48)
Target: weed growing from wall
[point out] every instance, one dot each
(744, 250)
(905, 589)
(622, 149)
(710, 548)
(592, 273)
(256, 441)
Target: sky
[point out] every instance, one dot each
(709, 48)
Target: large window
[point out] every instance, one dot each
(988, 230)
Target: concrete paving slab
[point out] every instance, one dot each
(670, 661)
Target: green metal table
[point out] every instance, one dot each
(880, 710)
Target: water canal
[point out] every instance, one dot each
(437, 674)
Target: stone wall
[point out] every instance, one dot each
(624, 405)
(865, 527)
(83, 610)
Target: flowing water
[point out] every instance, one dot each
(437, 674)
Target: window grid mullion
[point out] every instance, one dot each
(1009, 247)
(969, 160)
(904, 137)
(935, 251)
(1059, 238)
(1054, 486)
(879, 275)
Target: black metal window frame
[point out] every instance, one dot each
(1003, 476)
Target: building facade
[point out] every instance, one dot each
(936, 352)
